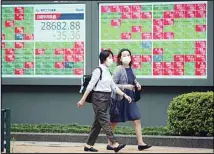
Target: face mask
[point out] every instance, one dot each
(109, 62)
(126, 60)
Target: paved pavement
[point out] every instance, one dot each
(67, 147)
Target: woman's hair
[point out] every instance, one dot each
(104, 54)
(120, 54)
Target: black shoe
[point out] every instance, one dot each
(90, 149)
(120, 146)
(143, 147)
(108, 147)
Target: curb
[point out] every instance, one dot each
(171, 141)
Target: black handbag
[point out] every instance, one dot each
(137, 94)
(86, 79)
(113, 109)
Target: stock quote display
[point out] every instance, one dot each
(43, 40)
(167, 39)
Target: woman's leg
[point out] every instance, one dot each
(138, 129)
(100, 107)
(95, 131)
(113, 126)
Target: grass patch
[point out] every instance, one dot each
(75, 128)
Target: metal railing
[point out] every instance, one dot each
(5, 128)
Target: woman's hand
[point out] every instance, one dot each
(129, 86)
(80, 103)
(128, 98)
(138, 86)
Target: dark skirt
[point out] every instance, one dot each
(127, 111)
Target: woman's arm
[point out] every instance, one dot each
(116, 89)
(116, 78)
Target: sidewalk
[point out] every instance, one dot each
(67, 147)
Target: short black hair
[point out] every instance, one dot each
(104, 54)
(120, 54)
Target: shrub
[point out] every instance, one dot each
(192, 114)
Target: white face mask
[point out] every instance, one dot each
(109, 62)
(126, 60)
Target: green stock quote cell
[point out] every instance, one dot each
(168, 58)
(28, 51)
(29, 30)
(125, 28)
(189, 44)
(7, 10)
(170, 45)
(178, 51)
(136, 51)
(157, 44)
(200, 35)
(29, 59)
(146, 65)
(136, 36)
(7, 65)
(68, 71)
(168, 28)
(146, 71)
(146, 51)
(29, 10)
(116, 15)
(29, 19)
(58, 71)
(9, 45)
(45, 65)
(189, 51)
(113, 34)
(104, 16)
(189, 65)
(19, 52)
(146, 29)
(189, 72)
(49, 52)
(158, 7)
(6, 18)
(29, 45)
(19, 65)
(168, 51)
(200, 21)
(58, 57)
(157, 15)
(42, 71)
(29, 71)
(146, 8)
(189, 35)
(41, 59)
(179, 35)
(168, 7)
(188, 21)
(20, 23)
(78, 65)
(138, 71)
(8, 30)
(8, 71)
(136, 21)
(49, 72)
(38, 72)
(19, 58)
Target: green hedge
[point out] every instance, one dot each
(192, 114)
(75, 128)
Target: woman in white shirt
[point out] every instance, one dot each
(101, 98)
